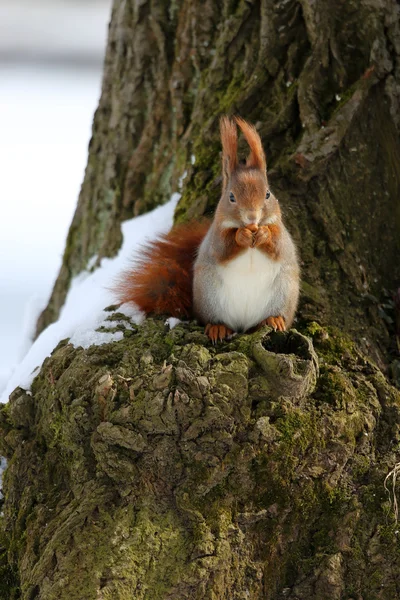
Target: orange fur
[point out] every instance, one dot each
(160, 282)
(256, 157)
(230, 248)
(270, 246)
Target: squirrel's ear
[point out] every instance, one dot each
(256, 157)
(229, 148)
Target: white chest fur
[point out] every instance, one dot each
(248, 287)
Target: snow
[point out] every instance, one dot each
(181, 180)
(43, 152)
(172, 322)
(89, 294)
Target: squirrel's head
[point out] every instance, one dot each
(246, 198)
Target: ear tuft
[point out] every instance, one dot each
(229, 147)
(256, 157)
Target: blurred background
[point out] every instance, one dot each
(51, 55)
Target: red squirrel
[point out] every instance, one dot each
(233, 274)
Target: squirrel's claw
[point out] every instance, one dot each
(217, 332)
(277, 323)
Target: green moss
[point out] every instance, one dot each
(163, 458)
(9, 581)
(345, 96)
(201, 193)
(360, 466)
(334, 387)
(297, 429)
(298, 433)
(373, 497)
(331, 344)
(228, 97)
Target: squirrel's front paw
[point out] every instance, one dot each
(244, 237)
(262, 236)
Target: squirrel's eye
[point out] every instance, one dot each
(267, 195)
(232, 197)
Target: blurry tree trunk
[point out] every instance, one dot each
(157, 467)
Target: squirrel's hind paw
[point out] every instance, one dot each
(277, 323)
(218, 332)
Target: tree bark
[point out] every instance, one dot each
(158, 467)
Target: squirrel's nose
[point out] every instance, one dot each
(252, 218)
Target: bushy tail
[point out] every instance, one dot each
(161, 280)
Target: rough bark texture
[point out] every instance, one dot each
(159, 467)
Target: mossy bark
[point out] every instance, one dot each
(162, 467)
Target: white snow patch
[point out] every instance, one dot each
(181, 180)
(172, 322)
(48, 136)
(130, 310)
(91, 262)
(89, 294)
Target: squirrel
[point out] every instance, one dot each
(234, 274)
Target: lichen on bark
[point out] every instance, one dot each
(163, 467)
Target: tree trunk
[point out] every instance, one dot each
(158, 467)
